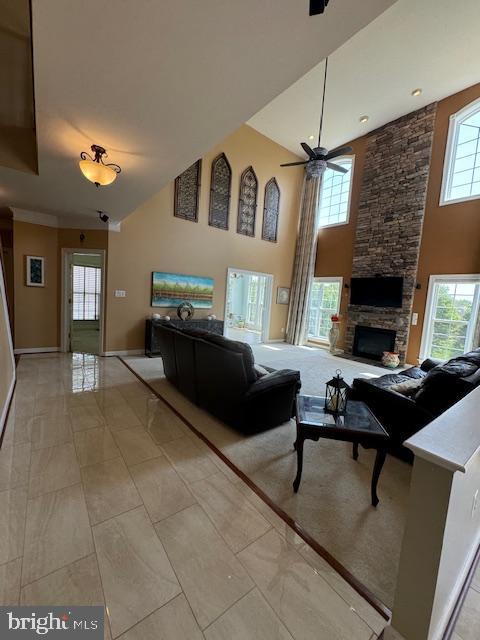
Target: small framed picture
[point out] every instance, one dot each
(35, 271)
(283, 295)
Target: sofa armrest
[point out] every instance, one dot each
(430, 363)
(273, 380)
(399, 415)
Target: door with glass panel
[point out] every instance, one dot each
(451, 320)
(324, 301)
(85, 302)
(255, 302)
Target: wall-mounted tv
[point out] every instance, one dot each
(377, 292)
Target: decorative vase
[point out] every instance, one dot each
(390, 359)
(333, 335)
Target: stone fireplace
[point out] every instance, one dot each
(390, 219)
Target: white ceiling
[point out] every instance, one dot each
(158, 83)
(432, 44)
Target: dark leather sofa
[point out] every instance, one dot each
(220, 376)
(407, 401)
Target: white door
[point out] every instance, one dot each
(247, 305)
(451, 316)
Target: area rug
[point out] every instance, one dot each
(333, 502)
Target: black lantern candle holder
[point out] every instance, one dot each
(336, 396)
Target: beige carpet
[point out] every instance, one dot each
(333, 502)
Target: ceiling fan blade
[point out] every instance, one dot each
(294, 164)
(317, 6)
(308, 150)
(335, 153)
(336, 167)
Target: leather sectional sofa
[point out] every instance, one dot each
(405, 402)
(220, 376)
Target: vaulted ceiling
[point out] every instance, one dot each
(158, 83)
(429, 44)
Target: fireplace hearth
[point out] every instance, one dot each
(370, 342)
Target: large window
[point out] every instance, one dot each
(461, 178)
(86, 292)
(452, 316)
(335, 190)
(324, 301)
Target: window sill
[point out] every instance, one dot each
(334, 224)
(444, 203)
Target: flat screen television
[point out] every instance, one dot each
(377, 292)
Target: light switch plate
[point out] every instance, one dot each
(414, 318)
(120, 293)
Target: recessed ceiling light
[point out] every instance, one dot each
(363, 119)
(311, 137)
(416, 92)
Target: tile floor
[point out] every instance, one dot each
(106, 497)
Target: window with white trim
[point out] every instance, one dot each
(324, 302)
(461, 177)
(335, 193)
(86, 292)
(452, 316)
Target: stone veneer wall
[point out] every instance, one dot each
(390, 217)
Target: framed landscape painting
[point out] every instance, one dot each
(35, 271)
(171, 289)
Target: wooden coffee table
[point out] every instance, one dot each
(358, 426)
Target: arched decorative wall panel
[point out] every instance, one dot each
(271, 211)
(220, 188)
(247, 203)
(187, 190)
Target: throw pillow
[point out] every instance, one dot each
(260, 371)
(407, 388)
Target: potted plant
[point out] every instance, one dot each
(334, 332)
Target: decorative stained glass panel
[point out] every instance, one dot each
(247, 203)
(271, 209)
(221, 182)
(187, 188)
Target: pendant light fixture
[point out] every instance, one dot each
(95, 170)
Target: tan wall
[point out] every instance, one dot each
(7, 367)
(37, 309)
(451, 234)
(152, 239)
(335, 244)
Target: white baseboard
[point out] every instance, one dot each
(18, 352)
(276, 340)
(3, 416)
(129, 352)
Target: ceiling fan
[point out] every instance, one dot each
(317, 6)
(320, 154)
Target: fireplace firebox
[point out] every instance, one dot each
(370, 342)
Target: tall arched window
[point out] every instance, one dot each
(247, 203)
(270, 211)
(461, 172)
(221, 181)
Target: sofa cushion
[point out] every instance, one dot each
(237, 347)
(446, 384)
